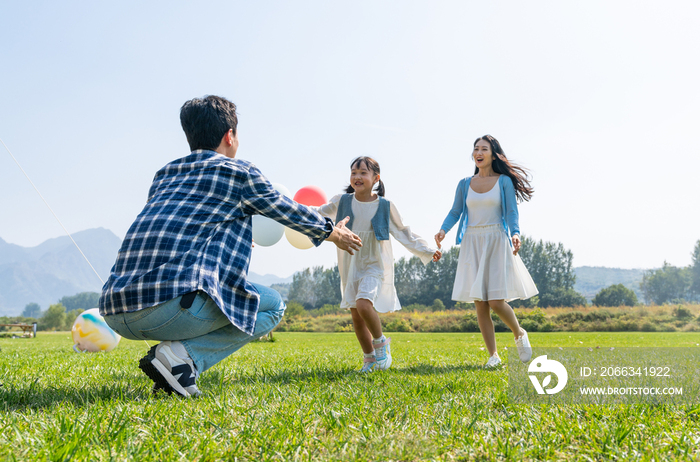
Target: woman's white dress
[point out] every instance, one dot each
(486, 267)
(369, 274)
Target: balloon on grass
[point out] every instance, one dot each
(91, 333)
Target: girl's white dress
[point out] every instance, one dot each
(486, 267)
(369, 274)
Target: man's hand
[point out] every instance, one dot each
(345, 239)
(437, 255)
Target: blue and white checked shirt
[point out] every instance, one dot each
(195, 233)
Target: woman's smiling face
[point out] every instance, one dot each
(482, 154)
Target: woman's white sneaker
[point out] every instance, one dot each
(524, 348)
(494, 361)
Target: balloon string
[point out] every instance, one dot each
(54, 213)
(55, 216)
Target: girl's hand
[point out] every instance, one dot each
(516, 244)
(437, 255)
(438, 239)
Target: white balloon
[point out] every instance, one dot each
(266, 232)
(297, 239)
(282, 190)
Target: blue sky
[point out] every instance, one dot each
(598, 99)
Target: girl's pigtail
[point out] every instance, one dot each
(349, 190)
(380, 188)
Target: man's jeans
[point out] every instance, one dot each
(206, 333)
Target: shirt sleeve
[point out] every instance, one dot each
(330, 209)
(456, 210)
(261, 198)
(413, 242)
(512, 216)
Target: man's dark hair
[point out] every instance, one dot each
(206, 120)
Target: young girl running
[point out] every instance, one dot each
(489, 270)
(367, 278)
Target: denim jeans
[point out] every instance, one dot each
(204, 330)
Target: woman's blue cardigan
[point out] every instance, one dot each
(509, 208)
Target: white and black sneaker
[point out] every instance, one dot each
(170, 367)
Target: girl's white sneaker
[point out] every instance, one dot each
(494, 361)
(524, 348)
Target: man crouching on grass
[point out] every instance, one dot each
(180, 274)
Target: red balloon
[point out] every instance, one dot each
(311, 195)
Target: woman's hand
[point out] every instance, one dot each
(437, 255)
(516, 243)
(438, 239)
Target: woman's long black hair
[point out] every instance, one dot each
(500, 164)
(371, 165)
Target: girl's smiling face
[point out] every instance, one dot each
(362, 179)
(482, 154)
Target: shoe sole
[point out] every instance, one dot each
(384, 367)
(528, 357)
(158, 373)
(169, 378)
(161, 385)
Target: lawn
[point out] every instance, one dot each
(299, 398)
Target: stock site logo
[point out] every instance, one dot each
(542, 364)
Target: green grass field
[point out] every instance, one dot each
(299, 398)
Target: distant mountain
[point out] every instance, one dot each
(268, 279)
(53, 269)
(590, 279)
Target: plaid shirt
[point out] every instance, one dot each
(195, 233)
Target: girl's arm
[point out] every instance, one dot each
(413, 242)
(331, 208)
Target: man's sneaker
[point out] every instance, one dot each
(494, 361)
(383, 352)
(370, 365)
(161, 384)
(171, 368)
(524, 348)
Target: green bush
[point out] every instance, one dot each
(682, 313)
(294, 310)
(615, 295)
(566, 318)
(562, 297)
(398, 325)
(298, 327)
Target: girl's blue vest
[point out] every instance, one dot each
(380, 221)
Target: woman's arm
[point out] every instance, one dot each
(454, 214)
(457, 208)
(512, 217)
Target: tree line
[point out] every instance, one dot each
(550, 265)
(58, 316)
